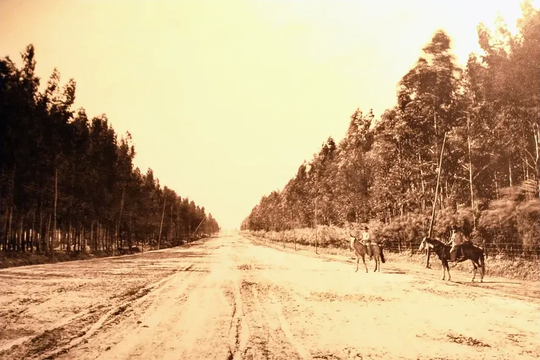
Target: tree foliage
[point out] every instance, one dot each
(62, 171)
(385, 170)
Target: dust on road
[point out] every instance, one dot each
(227, 298)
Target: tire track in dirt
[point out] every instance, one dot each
(259, 329)
(238, 332)
(135, 339)
(90, 319)
(269, 335)
(189, 318)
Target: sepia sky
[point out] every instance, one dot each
(226, 99)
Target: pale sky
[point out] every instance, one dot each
(226, 99)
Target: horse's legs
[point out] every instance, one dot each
(474, 270)
(357, 261)
(482, 266)
(482, 272)
(364, 260)
(445, 265)
(443, 271)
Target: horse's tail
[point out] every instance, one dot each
(382, 255)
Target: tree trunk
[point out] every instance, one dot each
(22, 238)
(537, 146)
(120, 217)
(130, 240)
(169, 232)
(98, 236)
(177, 227)
(55, 204)
(3, 229)
(92, 243)
(40, 243)
(48, 236)
(510, 172)
(33, 236)
(9, 233)
(423, 184)
(69, 237)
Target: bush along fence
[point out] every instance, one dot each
(505, 231)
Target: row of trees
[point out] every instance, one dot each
(485, 121)
(69, 182)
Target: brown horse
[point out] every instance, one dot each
(370, 248)
(470, 252)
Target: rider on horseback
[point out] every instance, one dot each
(457, 241)
(365, 240)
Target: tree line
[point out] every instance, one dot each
(68, 182)
(481, 123)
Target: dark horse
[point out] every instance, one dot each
(370, 248)
(469, 251)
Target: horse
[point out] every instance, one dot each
(469, 251)
(372, 249)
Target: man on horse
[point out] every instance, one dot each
(365, 240)
(457, 241)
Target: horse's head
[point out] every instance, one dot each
(423, 244)
(351, 237)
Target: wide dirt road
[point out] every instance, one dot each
(226, 298)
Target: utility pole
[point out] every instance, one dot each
(161, 226)
(470, 168)
(435, 200)
(316, 232)
(197, 228)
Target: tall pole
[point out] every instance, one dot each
(161, 226)
(470, 168)
(435, 200)
(316, 238)
(197, 228)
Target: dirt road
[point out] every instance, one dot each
(226, 298)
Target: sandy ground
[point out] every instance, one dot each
(228, 298)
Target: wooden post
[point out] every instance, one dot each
(470, 168)
(316, 238)
(197, 228)
(161, 226)
(435, 200)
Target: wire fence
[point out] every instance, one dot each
(335, 237)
